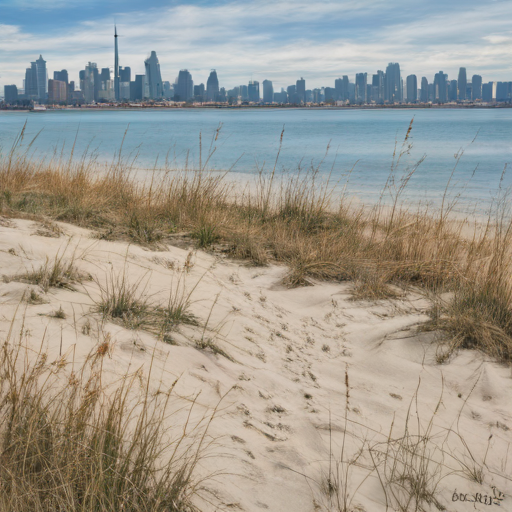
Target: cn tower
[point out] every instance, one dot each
(116, 67)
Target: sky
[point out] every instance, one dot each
(278, 40)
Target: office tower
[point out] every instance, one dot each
(487, 92)
(62, 76)
(291, 91)
(268, 92)
(329, 94)
(393, 83)
(338, 87)
(154, 78)
(346, 88)
(137, 88)
(378, 87)
(502, 91)
(424, 90)
(281, 97)
(222, 94)
(452, 90)
(462, 84)
(125, 74)
(301, 90)
(476, 87)
(31, 82)
(253, 91)
(184, 88)
(57, 91)
(105, 75)
(412, 89)
(41, 78)
(440, 87)
(212, 86)
(168, 90)
(91, 76)
(10, 94)
(361, 79)
(199, 93)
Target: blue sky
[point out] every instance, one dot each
(279, 40)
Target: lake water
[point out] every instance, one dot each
(361, 144)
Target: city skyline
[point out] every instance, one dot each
(274, 41)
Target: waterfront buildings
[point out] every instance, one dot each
(462, 84)
(393, 83)
(253, 91)
(412, 89)
(57, 91)
(476, 90)
(301, 90)
(10, 94)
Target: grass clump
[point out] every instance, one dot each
(56, 273)
(125, 302)
(70, 444)
(206, 235)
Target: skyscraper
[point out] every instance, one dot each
(412, 89)
(476, 82)
(91, 76)
(301, 90)
(440, 87)
(268, 91)
(378, 87)
(184, 88)
(393, 83)
(462, 84)
(10, 94)
(253, 91)
(62, 76)
(154, 78)
(361, 82)
(42, 78)
(212, 86)
(116, 66)
(452, 90)
(57, 91)
(31, 82)
(424, 90)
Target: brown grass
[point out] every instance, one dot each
(297, 220)
(70, 442)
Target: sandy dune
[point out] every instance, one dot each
(291, 352)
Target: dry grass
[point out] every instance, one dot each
(299, 220)
(69, 442)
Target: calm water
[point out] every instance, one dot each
(361, 140)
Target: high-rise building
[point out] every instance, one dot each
(42, 78)
(212, 86)
(268, 92)
(91, 77)
(424, 90)
(412, 89)
(378, 87)
(154, 78)
(31, 82)
(57, 91)
(62, 76)
(361, 90)
(301, 90)
(10, 94)
(462, 84)
(291, 91)
(253, 91)
(137, 88)
(452, 90)
(440, 87)
(476, 87)
(393, 83)
(125, 74)
(184, 88)
(199, 93)
(503, 91)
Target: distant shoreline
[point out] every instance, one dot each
(95, 108)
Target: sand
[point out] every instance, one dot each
(285, 415)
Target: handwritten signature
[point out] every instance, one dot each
(485, 499)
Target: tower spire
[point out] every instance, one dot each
(116, 66)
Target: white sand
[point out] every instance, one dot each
(291, 349)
